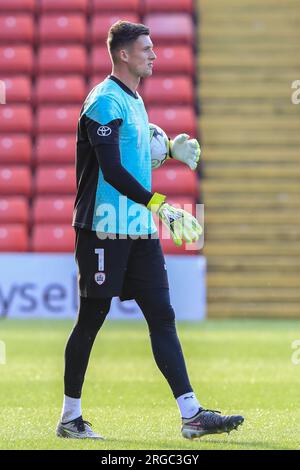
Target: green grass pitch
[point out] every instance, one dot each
(235, 366)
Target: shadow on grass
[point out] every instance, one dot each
(194, 444)
(245, 444)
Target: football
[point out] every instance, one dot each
(159, 144)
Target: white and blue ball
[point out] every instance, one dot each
(159, 144)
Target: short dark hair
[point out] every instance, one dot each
(124, 33)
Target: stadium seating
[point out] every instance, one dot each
(185, 202)
(100, 61)
(17, 5)
(15, 180)
(158, 6)
(14, 209)
(16, 28)
(63, 6)
(62, 59)
(62, 28)
(14, 237)
(95, 79)
(18, 89)
(56, 209)
(175, 119)
(16, 59)
(101, 23)
(54, 119)
(53, 238)
(15, 148)
(15, 118)
(60, 89)
(174, 60)
(52, 53)
(176, 28)
(119, 6)
(54, 149)
(175, 181)
(168, 90)
(57, 180)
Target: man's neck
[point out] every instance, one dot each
(131, 82)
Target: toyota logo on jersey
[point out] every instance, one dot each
(104, 131)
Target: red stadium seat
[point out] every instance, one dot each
(16, 28)
(62, 28)
(15, 118)
(116, 5)
(183, 202)
(52, 209)
(18, 89)
(14, 237)
(14, 209)
(55, 149)
(53, 119)
(61, 60)
(63, 5)
(58, 180)
(174, 120)
(175, 181)
(16, 59)
(171, 28)
(53, 238)
(15, 180)
(168, 6)
(100, 60)
(168, 90)
(63, 89)
(102, 22)
(17, 5)
(174, 59)
(15, 148)
(95, 80)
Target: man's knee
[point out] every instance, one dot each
(164, 317)
(157, 309)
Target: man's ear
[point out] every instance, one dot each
(124, 56)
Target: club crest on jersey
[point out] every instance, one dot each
(100, 278)
(104, 131)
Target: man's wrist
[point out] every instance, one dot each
(156, 201)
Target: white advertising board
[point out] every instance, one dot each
(45, 285)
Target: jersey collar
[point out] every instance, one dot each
(124, 87)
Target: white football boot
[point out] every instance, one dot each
(77, 429)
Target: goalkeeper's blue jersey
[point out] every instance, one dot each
(99, 206)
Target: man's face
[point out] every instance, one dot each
(140, 57)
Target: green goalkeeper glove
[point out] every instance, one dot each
(180, 223)
(185, 150)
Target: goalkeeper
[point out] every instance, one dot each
(116, 252)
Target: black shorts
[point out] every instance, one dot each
(118, 267)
